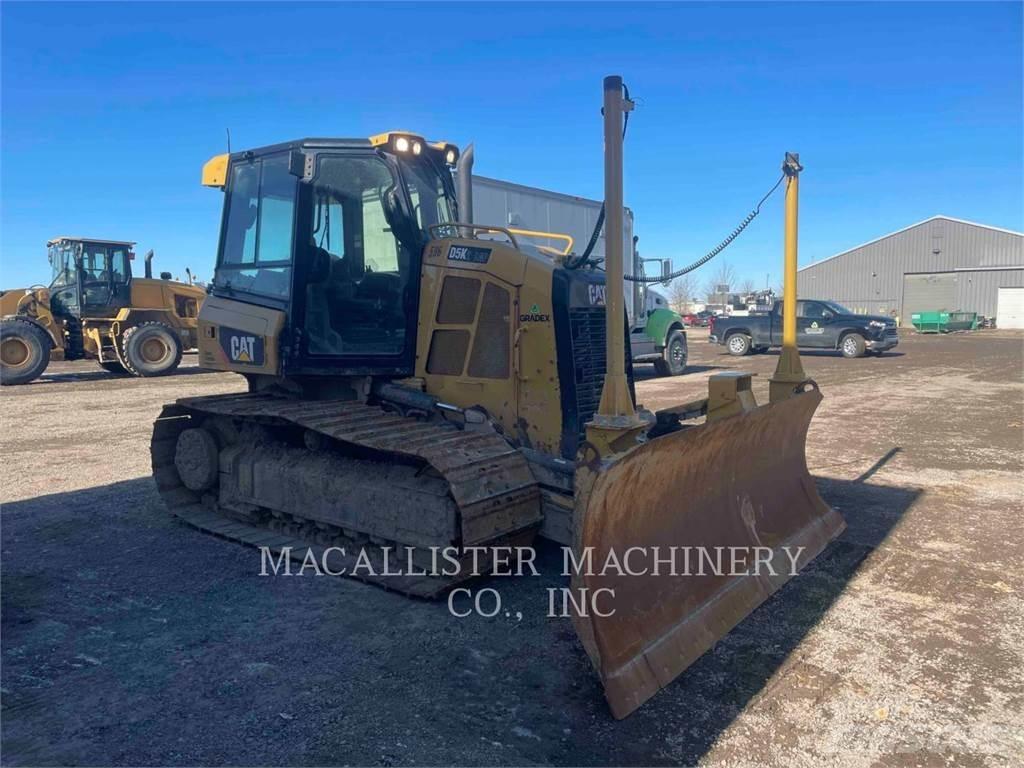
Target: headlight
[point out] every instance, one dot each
(402, 144)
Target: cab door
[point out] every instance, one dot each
(104, 279)
(814, 325)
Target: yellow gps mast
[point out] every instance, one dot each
(789, 372)
(616, 424)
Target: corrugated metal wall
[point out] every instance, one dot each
(979, 291)
(870, 278)
(505, 204)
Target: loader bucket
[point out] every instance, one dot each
(739, 481)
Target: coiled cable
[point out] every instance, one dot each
(714, 251)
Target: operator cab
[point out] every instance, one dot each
(90, 277)
(332, 232)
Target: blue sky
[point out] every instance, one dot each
(899, 112)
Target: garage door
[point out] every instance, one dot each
(1010, 308)
(928, 293)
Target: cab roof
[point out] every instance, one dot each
(59, 238)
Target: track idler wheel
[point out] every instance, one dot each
(196, 459)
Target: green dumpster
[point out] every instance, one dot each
(944, 322)
(962, 321)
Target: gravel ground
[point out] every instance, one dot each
(131, 639)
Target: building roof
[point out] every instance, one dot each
(898, 231)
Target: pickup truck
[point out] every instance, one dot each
(819, 325)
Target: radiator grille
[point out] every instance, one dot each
(588, 360)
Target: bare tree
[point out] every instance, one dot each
(747, 286)
(681, 292)
(724, 275)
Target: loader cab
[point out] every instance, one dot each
(90, 278)
(332, 232)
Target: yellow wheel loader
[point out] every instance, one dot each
(95, 309)
(421, 386)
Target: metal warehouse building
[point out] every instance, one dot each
(937, 264)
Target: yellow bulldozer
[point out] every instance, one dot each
(95, 309)
(419, 385)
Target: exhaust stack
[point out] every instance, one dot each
(149, 263)
(464, 182)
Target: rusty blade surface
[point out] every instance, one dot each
(738, 482)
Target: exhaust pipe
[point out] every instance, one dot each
(149, 263)
(464, 184)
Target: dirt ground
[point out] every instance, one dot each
(131, 639)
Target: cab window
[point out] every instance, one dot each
(812, 310)
(119, 264)
(95, 265)
(256, 253)
(358, 270)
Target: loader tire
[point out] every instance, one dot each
(24, 351)
(673, 359)
(738, 344)
(151, 349)
(112, 366)
(852, 345)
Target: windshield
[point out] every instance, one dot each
(427, 192)
(62, 263)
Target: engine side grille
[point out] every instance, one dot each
(588, 358)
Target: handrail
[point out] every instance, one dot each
(569, 240)
(473, 228)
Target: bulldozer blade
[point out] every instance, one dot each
(740, 482)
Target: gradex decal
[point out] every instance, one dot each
(241, 346)
(814, 328)
(534, 316)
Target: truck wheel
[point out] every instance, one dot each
(852, 345)
(673, 359)
(151, 349)
(738, 344)
(24, 351)
(112, 366)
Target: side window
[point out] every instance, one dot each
(119, 264)
(94, 265)
(811, 310)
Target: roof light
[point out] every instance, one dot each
(449, 157)
(402, 144)
(416, 147)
